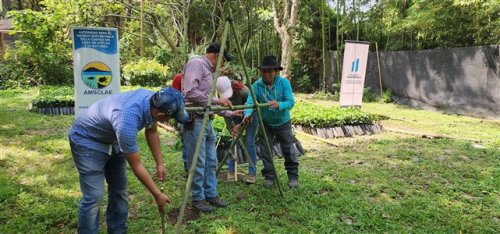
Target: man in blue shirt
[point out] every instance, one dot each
(277, 92)
(104, 137)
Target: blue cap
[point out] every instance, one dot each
(171, 102)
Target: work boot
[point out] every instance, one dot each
(293, 183)
(268, 183)
(216, 201)
(230, 176)
(250, 179)
(202, 206)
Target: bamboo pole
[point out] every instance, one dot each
(202, 132)
(379, 71)
(254, 97)
(142, 29)
(2, 51)
(235, 159)
(1, 34)
(222, 108)
(323, 47)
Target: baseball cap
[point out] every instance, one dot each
(171, 102)
(214, 47)
(224, 87)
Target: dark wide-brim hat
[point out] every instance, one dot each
(214, 47)
(269, 62)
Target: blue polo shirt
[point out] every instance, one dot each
(114, 122)
(281, 91)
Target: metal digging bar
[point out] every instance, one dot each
(178, 225)
(254, 97)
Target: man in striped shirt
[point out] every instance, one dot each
(196, 85)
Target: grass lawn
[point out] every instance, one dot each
(390, 182)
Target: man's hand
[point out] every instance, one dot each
(237, 113)
(161, 172)
(236, 129)
(247, 119)
(161, 200)
(224, 102)
(273, 104)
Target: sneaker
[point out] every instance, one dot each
(202, 206)
(293, 183)
(216, 201)
(250, 179)
(230, 176)
(268, 183)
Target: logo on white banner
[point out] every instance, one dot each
(355, 65)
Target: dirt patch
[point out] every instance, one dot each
(189, 215)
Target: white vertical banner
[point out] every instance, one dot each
(353, 73)
(96, 64)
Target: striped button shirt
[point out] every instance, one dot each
(114, 122)
(197, 81)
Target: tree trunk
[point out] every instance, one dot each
(285, 26)
(185, 23)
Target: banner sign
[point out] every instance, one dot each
(353, 73)
(96, 64)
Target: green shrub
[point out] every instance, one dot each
(386, 96)
(16, 74)
(369, 96)
(43, 52)
(145, 73)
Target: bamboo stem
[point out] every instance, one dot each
(379, 71)
(222, 108)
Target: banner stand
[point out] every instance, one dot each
(353, 73)
(96, 65)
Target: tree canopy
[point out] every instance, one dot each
(169, 30)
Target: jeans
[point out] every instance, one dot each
(284, 136)
(251, 132)
(204, 183)
(180, 127)
(94, 167)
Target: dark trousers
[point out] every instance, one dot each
(284, 135)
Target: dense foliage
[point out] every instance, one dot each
(145, 73)
(172, 30)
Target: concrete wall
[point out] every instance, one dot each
(461, 80)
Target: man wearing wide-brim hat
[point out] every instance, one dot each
(277, 92)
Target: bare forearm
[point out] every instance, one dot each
(142, 174)
(153, 140)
